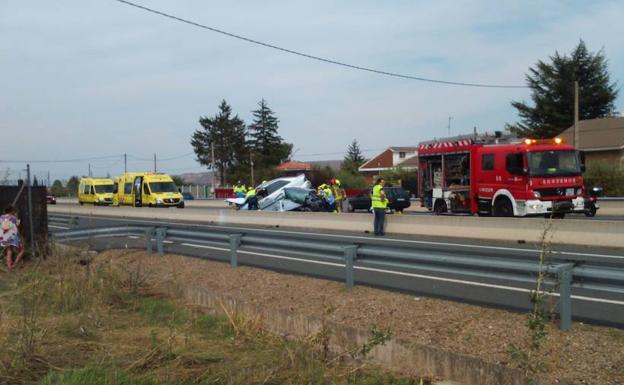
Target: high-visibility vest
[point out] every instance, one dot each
(377, 203)
(251, 193)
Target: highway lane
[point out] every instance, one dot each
(506, 290)
(613, 211)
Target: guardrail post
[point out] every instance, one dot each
(235, 241)
(149, 233)
(73, 222)
(350, 254)
(161, 233)
(565, 296)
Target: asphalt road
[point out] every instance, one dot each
(612, 211)
(506, 290)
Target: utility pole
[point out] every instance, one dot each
(90, 170)
(154, 162)
(212, 165)
(31, 226)
(125, 163)
(49, 179)
(449, 125)
(576, 115)
(252, 174)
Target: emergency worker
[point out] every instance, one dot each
(239, 190)
(379, 203)
(329, 197)
(339, 194)
(251, 199)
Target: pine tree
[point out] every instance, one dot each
(353, 159)
(552, 86)
(72, 186)
(227, 134)
(268, 148)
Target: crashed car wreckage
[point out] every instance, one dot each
(285, 194)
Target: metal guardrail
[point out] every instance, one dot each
(598, 277)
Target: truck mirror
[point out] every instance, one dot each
(582, 160)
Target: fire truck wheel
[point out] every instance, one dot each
(440, 207)
(503, 208)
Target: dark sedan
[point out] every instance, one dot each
(398, 200)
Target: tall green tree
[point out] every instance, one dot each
(227, 134)
(353, 159)
(552, 88)
(57, 188)
(267, 147)
(72, 186)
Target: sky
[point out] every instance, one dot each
(90, 80)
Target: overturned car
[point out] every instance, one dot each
(285, 194)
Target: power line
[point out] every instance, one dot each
(100, 158)
(317, 58)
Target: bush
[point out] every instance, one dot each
(609, 176)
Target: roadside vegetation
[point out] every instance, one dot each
(68, 320)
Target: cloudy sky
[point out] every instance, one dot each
(94, 79)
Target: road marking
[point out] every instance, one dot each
(133, 237)
(58, 227)
(430, 277)
(369, 238)
(166, 241)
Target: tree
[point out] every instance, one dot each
(267, 147)
(57, 188)
(178, 180)
(552, 86)
(353, 159)
(72, 186)
(227, 134)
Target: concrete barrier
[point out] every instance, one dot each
(567, 231)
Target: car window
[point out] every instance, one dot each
(276, 186)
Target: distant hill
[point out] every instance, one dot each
(202, 178)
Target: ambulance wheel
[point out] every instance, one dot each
(503, 208)
(181, 205)
(81, 203)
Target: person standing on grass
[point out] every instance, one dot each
(379, 203)
(10, 239)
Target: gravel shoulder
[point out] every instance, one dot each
(584, 355)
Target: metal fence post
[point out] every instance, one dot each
(161, 233)
(350, 254)
(74, 222)
(149, 233)
(565, 297)
(235, 241)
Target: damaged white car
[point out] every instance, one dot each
(284, 194)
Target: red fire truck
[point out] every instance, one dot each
(500, 175)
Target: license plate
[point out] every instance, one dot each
(569, 191)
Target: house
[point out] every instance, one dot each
(390, 158)
(602, 139)
(294, 168)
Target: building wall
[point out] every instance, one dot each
(611, 156)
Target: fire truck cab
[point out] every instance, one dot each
(500, 175)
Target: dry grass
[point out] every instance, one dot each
(70, 321)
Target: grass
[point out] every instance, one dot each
(68, 322)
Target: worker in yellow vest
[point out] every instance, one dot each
(239, 190)
(251, 199)
(379, 203)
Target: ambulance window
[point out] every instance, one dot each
(487, 162)
(127, 188)
(86, 189)
(92, 190)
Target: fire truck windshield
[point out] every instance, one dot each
(554, 163)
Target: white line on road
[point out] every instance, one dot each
(430, 277)
(58, 227)
(369, 238)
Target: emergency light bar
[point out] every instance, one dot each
(543, 141)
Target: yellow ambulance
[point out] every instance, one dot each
(147, 189)
(97, 191)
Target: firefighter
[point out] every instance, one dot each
(329, 197)
(339, 193)
(379, 203)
